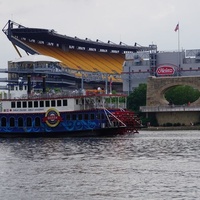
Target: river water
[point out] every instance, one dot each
(149, 165)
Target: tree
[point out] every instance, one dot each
(181, 94)
(137, 98)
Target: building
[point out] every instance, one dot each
(138, 66)
(87, 63)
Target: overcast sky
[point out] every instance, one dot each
(142, 21)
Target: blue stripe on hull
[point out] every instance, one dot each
(66, 127)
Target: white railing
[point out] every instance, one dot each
(169, 108)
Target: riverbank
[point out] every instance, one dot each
(162, 128)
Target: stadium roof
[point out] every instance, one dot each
(17, 33)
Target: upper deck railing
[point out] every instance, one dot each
(169, 108)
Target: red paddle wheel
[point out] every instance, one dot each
(131, 121)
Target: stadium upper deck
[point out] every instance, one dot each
(75, 54)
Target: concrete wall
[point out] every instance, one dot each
(178, 117)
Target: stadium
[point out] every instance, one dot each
(84, 63)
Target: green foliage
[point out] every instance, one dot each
(137, 98)
(151, 120)
(182, 94)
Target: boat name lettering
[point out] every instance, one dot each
(19, 110)
(25, 110)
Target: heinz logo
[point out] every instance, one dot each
(165, 70)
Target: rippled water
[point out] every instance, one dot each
(149, 165)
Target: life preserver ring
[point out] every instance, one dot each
(52, 117)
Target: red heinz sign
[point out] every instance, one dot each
(165, 70)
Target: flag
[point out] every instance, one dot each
(176, 28)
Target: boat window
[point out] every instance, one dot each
(74, 117)
(53, 103)
(68, 117)
(80, 117)
(58, 102)
(3, 121)
(98, 116)
(41, 104)
(47, 103)
(76, 101)
(28, 122)
(13, 104)
(35, 104)
(12, 122)
(92, 116)
(37, 121)
(19, 104)
(20, 122)
(64, 102)
(86, 116)
(24, 104)
(30, 104)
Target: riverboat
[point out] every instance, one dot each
(28, 113)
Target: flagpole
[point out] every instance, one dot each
(179, 57)
(177, 28)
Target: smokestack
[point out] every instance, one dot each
(44, 84)
(29, 84)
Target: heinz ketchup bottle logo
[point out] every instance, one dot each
(165, 70)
